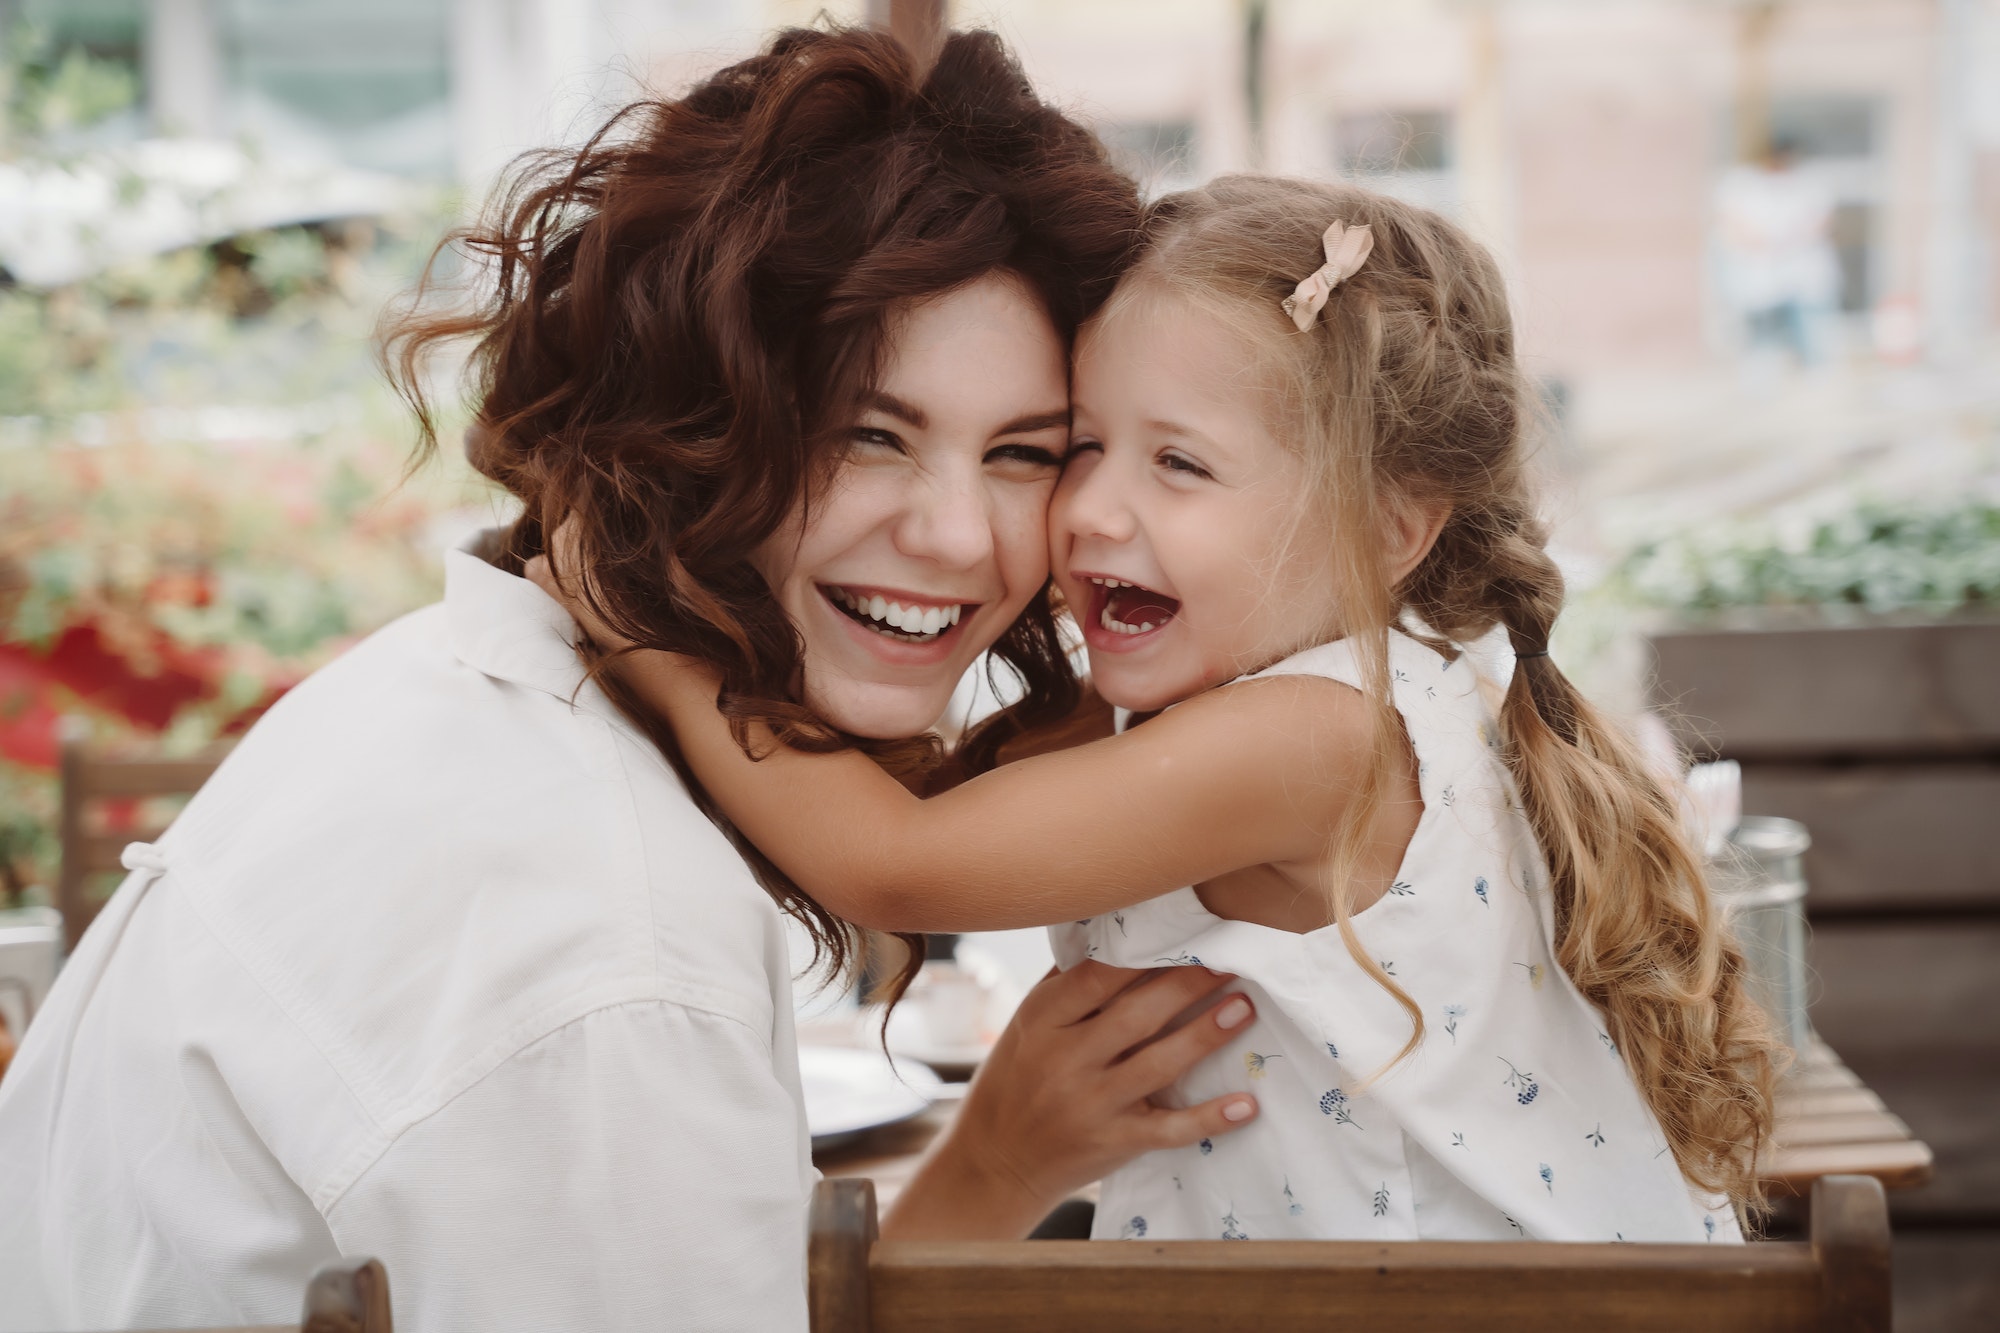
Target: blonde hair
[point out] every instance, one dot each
(1405, 392)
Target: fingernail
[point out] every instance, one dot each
(1237, 1112)
(1232, 1013)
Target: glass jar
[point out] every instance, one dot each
(1759, 880)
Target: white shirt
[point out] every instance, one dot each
(444, 967)
(1516, 1116)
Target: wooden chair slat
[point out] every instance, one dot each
(1854, 1127)
(103, 777)
(1415, 1287)
(1827, 1101)
(1899, 1164)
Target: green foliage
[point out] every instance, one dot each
(55, 86)
(1876, 558)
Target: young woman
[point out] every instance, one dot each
(446, 965)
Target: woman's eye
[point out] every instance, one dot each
(1033, 454)
(1182, 463)
(882, 439)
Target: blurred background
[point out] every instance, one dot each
(1754, 250)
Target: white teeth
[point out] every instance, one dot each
(919, 622)
(1116, 626)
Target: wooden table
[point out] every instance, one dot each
(1828, 1123)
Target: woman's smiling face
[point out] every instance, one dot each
(931, 536)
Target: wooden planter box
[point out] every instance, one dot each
(1884, 740)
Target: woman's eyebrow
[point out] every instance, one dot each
(1035, 421)
(907, 413)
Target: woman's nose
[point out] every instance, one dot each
(947, 523)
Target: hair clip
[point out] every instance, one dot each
(1345, 248)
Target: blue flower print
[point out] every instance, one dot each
(1389, 966)
(1452, 1013)
(1708, 1225)
(1332, 1051)
(1609, 1044)
(1333, 1102)
(1596, 1136)
(1134, 1230)
(1402, 675)
(1479, 888)
(1458, 1141)
(1430, 692)
(1118, 920)
(1524, 1085)
(1382, 1200)
(1519, 1229)
(1180, 960)
(1548, 1177)
(1207, 1146)
(1231, 1229)
(1292, 1206)
(1254, 1063)
(1401, 889)
(1086, 921)
(1446, 797)
(1177, 1182)
(1535, 973)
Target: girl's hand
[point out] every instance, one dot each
(539, 573)
(1064, 1099)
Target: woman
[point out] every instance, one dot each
(445, 964)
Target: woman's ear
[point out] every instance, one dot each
(1409, 529)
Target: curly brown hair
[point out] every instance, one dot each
(676, 323)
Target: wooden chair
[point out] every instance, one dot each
(1837, 1281)
(345, 1296)
(89, 777)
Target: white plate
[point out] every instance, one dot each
(851, 1091)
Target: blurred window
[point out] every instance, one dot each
(1160, 154)
(366, 82)
(1833, 138)
(1407, 154)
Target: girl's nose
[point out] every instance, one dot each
(947, 523)
(1089, 503)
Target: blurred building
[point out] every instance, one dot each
(1583, 139)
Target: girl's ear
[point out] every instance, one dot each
(1409, 529)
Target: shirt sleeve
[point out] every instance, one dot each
(639, 1168)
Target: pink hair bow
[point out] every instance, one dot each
(1345, 248)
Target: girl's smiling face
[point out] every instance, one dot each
(1183, 532)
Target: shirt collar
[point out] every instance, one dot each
(504, 626)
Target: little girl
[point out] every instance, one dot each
(1495, 998)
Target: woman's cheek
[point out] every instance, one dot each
(1021, 536)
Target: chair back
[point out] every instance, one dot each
(88, 851)
(1839, 1280)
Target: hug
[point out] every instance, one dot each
(820, 387)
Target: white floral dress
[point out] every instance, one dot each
(1515, 1117)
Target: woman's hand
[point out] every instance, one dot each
(1064, 1099)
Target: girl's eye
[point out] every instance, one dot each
(1083, 446)
(1174, 462)
(1033, 454)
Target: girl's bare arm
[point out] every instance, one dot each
(1237, 777)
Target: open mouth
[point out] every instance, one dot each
(904, 621)
(1129, 608)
